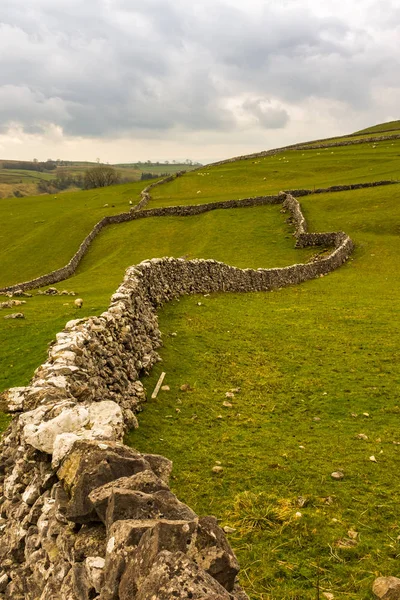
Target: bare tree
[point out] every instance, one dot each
(100, 176)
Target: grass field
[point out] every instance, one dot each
(25, 181)
(265, 241)
(316, 364)
(294, 169)
(381, 127)
(40, 234)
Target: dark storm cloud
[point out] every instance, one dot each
(110, 67)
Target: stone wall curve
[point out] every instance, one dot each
(83, 516)
(180, 211)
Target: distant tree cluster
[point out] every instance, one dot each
(63, 182)
(100, 176)
(145, 176)
(49, 165)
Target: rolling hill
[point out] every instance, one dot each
(313, 366)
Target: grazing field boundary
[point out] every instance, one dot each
(318, 144)
(83, 515)
(138, 212)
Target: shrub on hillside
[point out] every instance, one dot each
(100, 176)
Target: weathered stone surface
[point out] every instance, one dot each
(90, 465)
(173, 575)
(43, 436)
(95, 572)
(212, 553)
(387, 588)
(12, 400)
(174, 536)
(123, 537)
(128, 504)
(76, 585)
(145, 481)
(89, 541)
(161, 466)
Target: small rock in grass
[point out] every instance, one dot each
(353, 535)
(337, 475)
(15, 316)
(199, 304)
(316, 419)
(220, 417)
(346, 543)
(361, 436)
(78, 303)
(217, 469)
(302, 447)
(328, 595)
(301, 501)
(178, 410)
(387, 588)
(354, 415)
(228, 529)
(174, 334)
(373, 459)
(396, 443)
(365, 414)
(165, 388)
(235, 390)
(217, 462)
(229, 395)
(185, 387)
(227, 404)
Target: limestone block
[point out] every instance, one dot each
(144, 481)
(127, 504)
(42, 436)
(173, 576)
(106, 416)
(212, 552)
(161, 466)
(95, 571)
(12, 400)
(387, 588)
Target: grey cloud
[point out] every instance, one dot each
(269, 117)
(111, 67)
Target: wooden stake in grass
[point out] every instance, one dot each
(157, 388)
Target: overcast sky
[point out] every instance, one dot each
(127, 80)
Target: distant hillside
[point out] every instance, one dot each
(28, 178)
(382, 127)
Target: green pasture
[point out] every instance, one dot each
(311, 366)
(316, 365)
(23, 176)
(351, 138)
(41, 233)
(381, 127)
(265, 240)
(285, 170)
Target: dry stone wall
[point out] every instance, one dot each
(83, 517)
(178, 211)
(316, 145)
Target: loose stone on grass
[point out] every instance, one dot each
(338, 475)
(387, 588)
(217, 469)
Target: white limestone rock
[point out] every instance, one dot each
(95, 571)
(106, 420)
(13, 399)
(42, 437)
